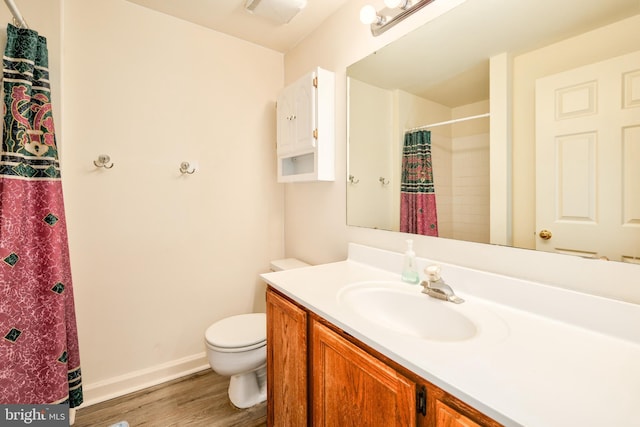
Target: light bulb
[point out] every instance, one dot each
(368, 14)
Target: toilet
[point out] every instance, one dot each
(237, 348)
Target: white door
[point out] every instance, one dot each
(588, 160)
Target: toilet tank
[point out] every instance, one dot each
(287, 264)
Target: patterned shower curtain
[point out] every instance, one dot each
(417, 192)
(39, 355)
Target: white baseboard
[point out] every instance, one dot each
(144, 378)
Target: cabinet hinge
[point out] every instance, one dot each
(315, 133)
(421, 400)
(315, 82)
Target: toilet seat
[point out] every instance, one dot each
(243, 332)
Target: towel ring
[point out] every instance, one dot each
(184, 168)
(102, 161)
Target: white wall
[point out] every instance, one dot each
(157, 257)
(371, 112)
(470, 151)
(315, 228)
(471, 187)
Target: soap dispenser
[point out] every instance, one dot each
(410, 270)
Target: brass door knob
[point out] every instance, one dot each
(545, 234)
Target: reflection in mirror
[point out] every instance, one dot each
(495, 72)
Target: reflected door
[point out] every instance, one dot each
(588, 160)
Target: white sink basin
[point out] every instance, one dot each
(406, 310)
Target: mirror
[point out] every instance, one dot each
(484, 60)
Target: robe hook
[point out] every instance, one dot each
(184, 168)
(353, 180)
(102, 161)
(383, 181)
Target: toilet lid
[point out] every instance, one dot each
(238, 331)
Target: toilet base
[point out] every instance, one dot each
(248, 389)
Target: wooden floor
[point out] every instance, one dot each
(197, 400)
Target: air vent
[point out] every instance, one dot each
(276, 11)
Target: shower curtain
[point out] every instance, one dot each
(39, 355)
(417, 193)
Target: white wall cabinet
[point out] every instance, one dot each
(306, 129)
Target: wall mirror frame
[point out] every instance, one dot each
(486, 60)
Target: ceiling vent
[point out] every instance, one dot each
(277, 11)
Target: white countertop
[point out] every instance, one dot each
(546, 356)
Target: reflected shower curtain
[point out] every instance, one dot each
(417, 192)
(39, 356)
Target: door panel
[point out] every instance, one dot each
(286, 362)
(352, 388)
(305, 101)
(588, 160)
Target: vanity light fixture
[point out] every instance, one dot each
(395, 11)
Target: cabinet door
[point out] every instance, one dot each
(352, 388)
(449, 417)
(285, 113)
(305, 114)
(286, 362)
(297, 117)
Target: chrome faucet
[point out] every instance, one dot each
(435, 287)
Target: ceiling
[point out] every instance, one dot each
(230, 17)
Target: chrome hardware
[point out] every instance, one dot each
(435, 287)
(102, 161)
(184, 168)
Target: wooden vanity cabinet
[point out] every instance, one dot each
(318, 375)
(286, 362)
(445, 416)
(350, 387)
